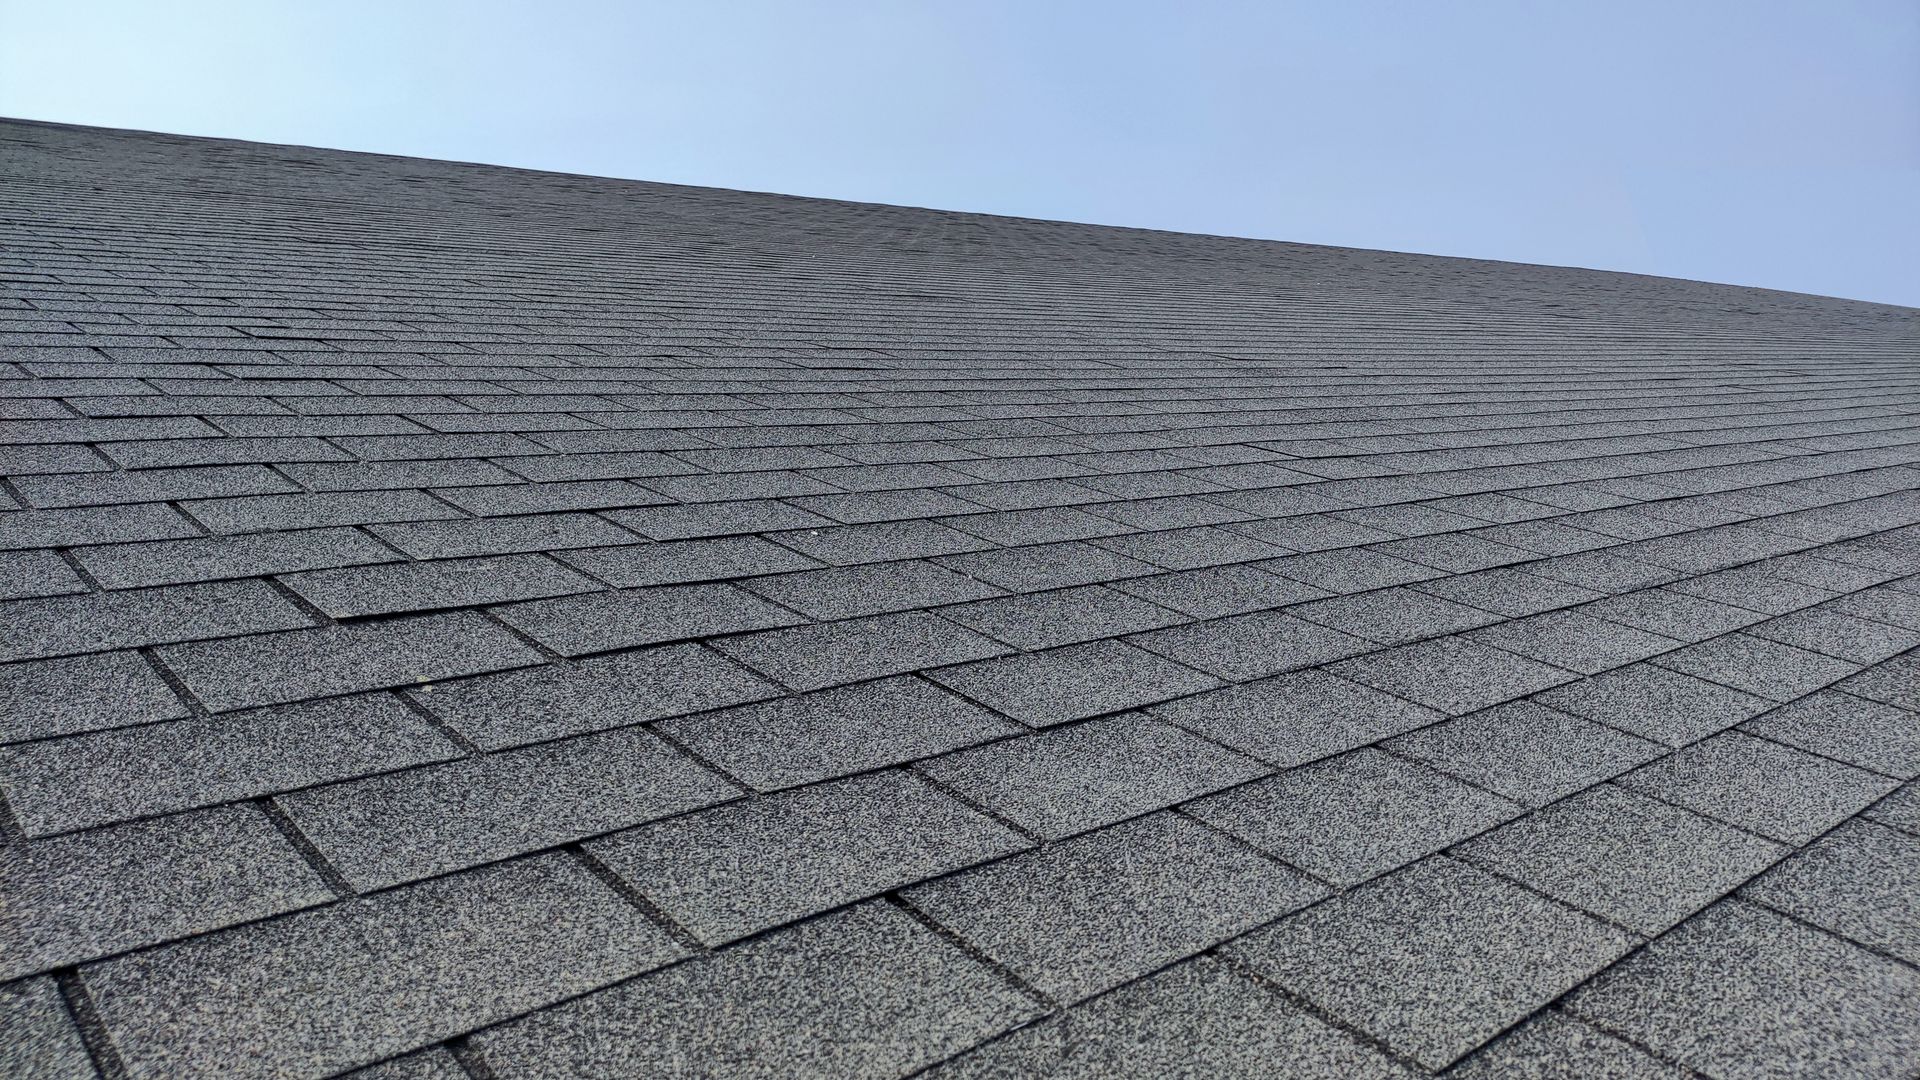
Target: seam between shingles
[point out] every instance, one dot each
(626, 890)
(973, 952)
(86, 1018)
(469, 1058)
(308, 850)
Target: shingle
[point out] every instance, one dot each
(1435, 959)
(211, 558)
(832, 654)
(43, 698)
(397, 827)
(865, 992)
(1576, 641)
(1861, 881)
(1221, 590)
(512, 708)
(1508, 592)
(602, 622)
(683, 561)
(36, 573)
(850, 545)
(1739, 991)
(431, 1064)
(91, 622)
(72, 783)
(267, 669)
(420, 447)
(1044, 620)
(319, 991)
(428, 586)
(847, 592)
(1074, 682)
(225, 451)
(381, 475)
(1071, 780)
(838, 732)
(741, 868)
(1393, 616)
(1452, 674)
(150, 486)
(1196, 1019)
(525, 498)
(75, 898)
(1047, 566)
(1633, 860)
(1895, 682)
(42, 1042)
(716, 519)
(1854, 730)
(1901, 810)
(1837, 634)
(1672, 614)
(1298, 717)
(1354, 817)
(1774, 790)
(501, 536)
(91, 525)
(1766, 668)
(1526, 752)
(275, 513)
(1242, 647)
(1656, 703)
(1554, 1045)
(1088, 914)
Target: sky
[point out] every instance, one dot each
(1755, 142)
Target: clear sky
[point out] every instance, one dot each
(1751, 141)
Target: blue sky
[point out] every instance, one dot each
(1763, 143)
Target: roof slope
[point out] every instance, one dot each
(464, 621)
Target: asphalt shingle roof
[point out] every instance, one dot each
(458, 621)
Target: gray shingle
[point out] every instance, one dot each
(43, 698)
(1574, 640)
(848, 592)
(1196, 1019)
(1295, 718)
(838, 732)
(1452, 674)
(1672, 614)
(397, 827)
(1634, 860)
(1070, 780)
(428, 586)
(1394, 616)
(1063, 617)
(1739, 991)
(512, 708)
(1047, 566)
(1767, 668)
(716, 519)
(428, 539)
(1354, 817)
(75, 898)
(601, 622)
(744, 867)
(1895, 682)
(849, 545)
(1074, 682)
(1527, 752)
(682, 561)
(1854, 730)
(211, 558)
(36, 573)
(344, 985)
(865, 992)
(63, 625)
(42, 1042)
(1212, 592)
(1554, 1045)
(1656, 703)
(1861, 881)
(109, 776)
(1088, 914)
(151, 486)
(1837, 634)
(1241, 647)
(832, 654)
(268, 669)
(1770, 789)
(275, 513)
(1433, 960)
(91, 525)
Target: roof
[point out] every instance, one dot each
(463, 621)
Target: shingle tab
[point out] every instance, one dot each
(43, 698)
(42, 1042)
(1074, 682)
(64, 625)
(741, 868)
(836, 653)
(348, 984)
(1083, 916)
(384, 830)
(1295, 718)
(866, 992)
(1435, 959)
(603, 622)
